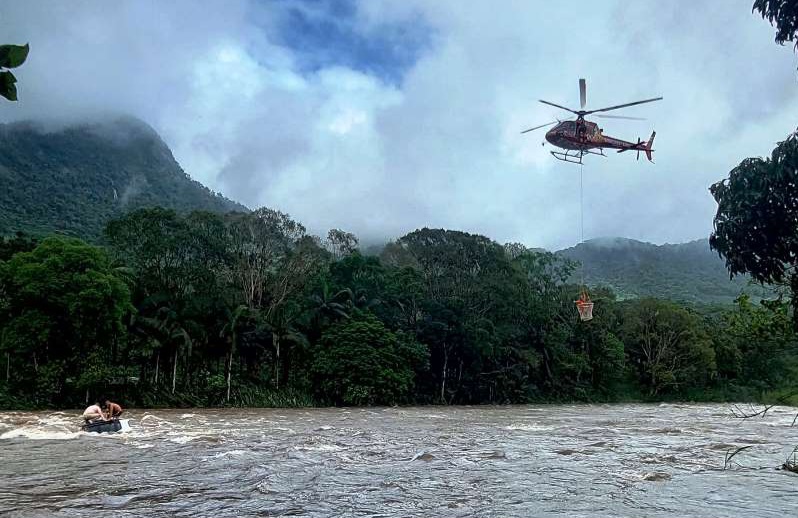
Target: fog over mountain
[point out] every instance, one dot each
(74, 179)
(381, 117)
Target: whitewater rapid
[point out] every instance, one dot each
(546, 460)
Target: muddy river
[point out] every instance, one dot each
(555, 460)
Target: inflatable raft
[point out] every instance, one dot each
(115, 425)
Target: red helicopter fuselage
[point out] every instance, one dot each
(583, 135)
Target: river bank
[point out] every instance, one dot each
(164, 400)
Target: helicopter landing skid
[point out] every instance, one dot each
(574, 156)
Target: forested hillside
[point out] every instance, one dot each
(75, 179)
(247, 308)
(688, 272)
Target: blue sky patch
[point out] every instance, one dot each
(324, 33)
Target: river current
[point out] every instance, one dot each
(547, 460)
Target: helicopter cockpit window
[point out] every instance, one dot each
(568, 126)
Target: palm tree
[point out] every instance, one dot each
(182, 340)
(281, 324)
(166, 328)
(327, 306)
(361, 300)
(230, 330)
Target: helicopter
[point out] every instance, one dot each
(581, 137)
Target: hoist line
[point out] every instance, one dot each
(582, 220)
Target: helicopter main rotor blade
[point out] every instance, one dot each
(624, 105)
(621, 117)
(541, 126)
(582, 93)
(558, 106)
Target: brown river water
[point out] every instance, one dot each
(547, 460)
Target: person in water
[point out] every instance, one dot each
(93, 413)
(114, 410)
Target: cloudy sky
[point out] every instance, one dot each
(381, 116)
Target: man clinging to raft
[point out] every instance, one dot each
(93, 413)
(114, 410)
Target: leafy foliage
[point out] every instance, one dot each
(668, 345)
(20, 242)
(63, 317)
(756, 225)
(782, 14)
(360, 362)
(759, 345)
(11, 56)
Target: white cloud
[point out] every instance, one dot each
(339, 147)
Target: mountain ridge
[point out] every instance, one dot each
(74, 178)
(688, 272)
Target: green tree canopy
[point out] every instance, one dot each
(360, 362)
(248, 309)
(64, 314)
(782, 14)
(756, 224)
(668, 345)
(758, 345)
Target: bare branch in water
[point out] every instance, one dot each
(739, 413)
(727, 463)
(791, 464)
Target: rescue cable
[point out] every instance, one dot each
(583, 304)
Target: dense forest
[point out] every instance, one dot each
(247, 308)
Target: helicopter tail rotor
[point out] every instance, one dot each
(645, 147)
(650, 143)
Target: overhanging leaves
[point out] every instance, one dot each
(12, 56)
(8, 87)
(783, 15)
(756, 225)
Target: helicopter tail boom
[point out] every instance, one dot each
(645, 147)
